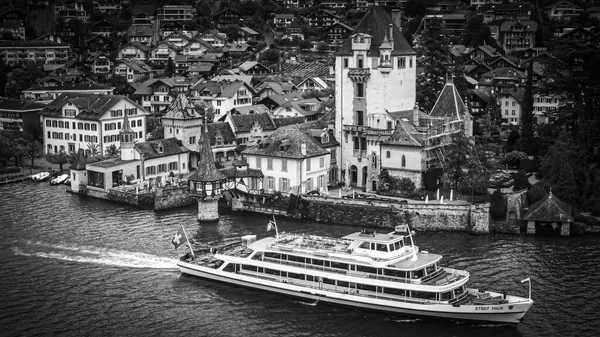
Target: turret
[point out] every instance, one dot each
(126, 137)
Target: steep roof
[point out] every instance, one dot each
(140, 30)
(403, 135)
(19, 105)
(181, 108)
(220, 129)
(549, 209)
(286, 142)
(377, 23)
(219, 89)
(170, 147)
(449, 103)
(285, 121)
(306, 69)
(91, 107)
(243, 123)
(137, 65)
(207, 170)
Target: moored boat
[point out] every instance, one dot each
(59, 179)
(40, 176)
(365, 270)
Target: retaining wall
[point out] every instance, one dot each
(173, 197)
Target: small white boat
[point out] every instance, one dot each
(40, 176)
(59, 180)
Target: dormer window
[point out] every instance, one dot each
(160, 148)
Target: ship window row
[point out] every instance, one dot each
(382, 247)
(343, 286)
(339, 267)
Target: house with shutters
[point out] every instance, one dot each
(323, 18)
(562, 11)
(99, 43)
(226, 17)
(244, 35)
(156, 94)
(143, 34)
(133, 70)
(223, 95)
(163, 51)
(270, 87)
(74, 120)
(251, 128)
(515, 35)
(195, 47)
(99, 63)
(254, 68)
(214, 37)
(306, 107)
(134, 50)
(291, 160)
(312, 83)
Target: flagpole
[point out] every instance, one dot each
(276, 230)
(188, 241)
(412, 243)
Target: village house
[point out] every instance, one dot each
(133, 50)
(102, 28)
(156, 94)
(291, 160)
(47, 54)
(49, 91)
(226, 17)
(306, 108)
(99, 43)
(133, 70)
(249, 129)
(311, 84)
(179, 13)
(516, 35)
(224, 95)
(162, 52)
(143, 34)
(323, 18)
(244, 35)
(562, 11)
(19, 115)
(91, 122)
(254, 68)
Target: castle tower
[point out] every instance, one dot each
(375, 86)
(126, 137)
(79, 179)
(206, 184)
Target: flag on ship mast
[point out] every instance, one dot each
(178, 240)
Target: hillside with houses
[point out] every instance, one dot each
(391, 97)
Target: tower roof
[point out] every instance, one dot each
(80, 161)
(126, 127)
(449, 103)
(207, 170)
(377, 23)
(181, 108)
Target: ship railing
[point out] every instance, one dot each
(340, 290)
(305, 265)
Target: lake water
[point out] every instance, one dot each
(75, 266)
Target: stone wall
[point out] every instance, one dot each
(173, 197)
(387, 215)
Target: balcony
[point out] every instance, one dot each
(368, 131)
(360, 153)
(359, 74)
(385, 66)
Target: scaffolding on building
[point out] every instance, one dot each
(438, 137)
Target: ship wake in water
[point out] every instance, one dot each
(97, 255)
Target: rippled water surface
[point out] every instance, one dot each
(74, 266)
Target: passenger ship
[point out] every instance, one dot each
(365, 270)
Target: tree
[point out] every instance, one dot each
(59, 158)
(205, 110)
(112, 151)
(170, 68)
(33, 148)
(557, 171)
(22, 78)
(94, 149)
(434, 58)
(461, 156)
(525, 142)
(270, 56)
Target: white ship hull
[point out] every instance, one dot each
(509, 313)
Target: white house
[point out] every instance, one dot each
(92, 122)
(291, 160)
(224, 95)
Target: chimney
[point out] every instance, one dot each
(391, 38)
(416, 115)
(303, 149)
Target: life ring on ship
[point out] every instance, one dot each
(213, 250)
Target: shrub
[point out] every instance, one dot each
(498, 206)
(405, 186)
(596, 209)
(592, 221)
(513, 159)
(521, 181)
(537, 192)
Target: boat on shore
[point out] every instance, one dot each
(59, 179)
(365, 270)
(40, 176)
